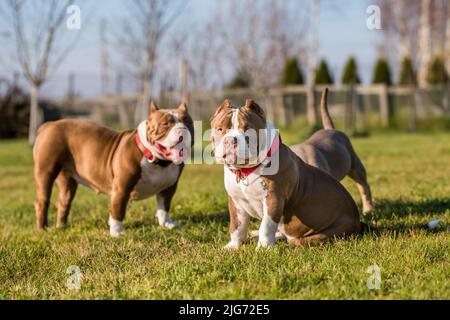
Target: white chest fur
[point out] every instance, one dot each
(155, 179)
(248, 195)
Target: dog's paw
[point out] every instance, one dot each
(279, 236)
(170, 224)
(115, 228)
(116, 233)
(264, 246)
(232, 245)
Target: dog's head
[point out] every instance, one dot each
(236, 134)
(170, 132)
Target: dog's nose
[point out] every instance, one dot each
(231, 141)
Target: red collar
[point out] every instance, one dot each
(146, 152)
(243, 173)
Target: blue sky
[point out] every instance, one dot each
(342, 32)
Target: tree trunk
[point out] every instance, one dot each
(34, 100)
(424, 42)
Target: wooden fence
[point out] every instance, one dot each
(357, 107)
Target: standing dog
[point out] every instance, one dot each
(266, 180)
(331, 151)
(134, 164)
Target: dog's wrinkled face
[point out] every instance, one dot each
(170, 132)
(236, 134)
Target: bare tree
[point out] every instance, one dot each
(139, 37)
(257, 37)
(41, 44)
(425, 41)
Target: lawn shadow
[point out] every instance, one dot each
(388, 208)
(221, 217)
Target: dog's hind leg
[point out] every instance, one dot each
(44, 183)
(67, 189)
(358, 174)
(314, 240)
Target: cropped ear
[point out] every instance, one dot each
(253, 106)
(153, 107)
(225, 105)
(182, 108)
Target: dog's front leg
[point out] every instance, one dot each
(163, 200)
(119, 201)
(272, 213)
(239, 222)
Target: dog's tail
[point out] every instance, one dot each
(326, 119)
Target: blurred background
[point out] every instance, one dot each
(386, 62)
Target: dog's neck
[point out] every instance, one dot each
(142, 132)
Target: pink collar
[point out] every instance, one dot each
(243, 173)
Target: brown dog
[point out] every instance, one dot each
(134, 164)
(271, 183)
(331, 151)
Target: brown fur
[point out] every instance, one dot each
(311, 205)
(107, 160)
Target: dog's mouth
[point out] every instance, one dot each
(172, 153)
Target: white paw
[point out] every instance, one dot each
(265, 245)
(279, 236)
(232, 245)
(116, 233)
(170, 224)
(115, 228)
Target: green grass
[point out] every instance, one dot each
(410, 178)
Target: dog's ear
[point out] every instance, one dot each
(182, 108)
(253, 106)
(225, 105)
(153, 107)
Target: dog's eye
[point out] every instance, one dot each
(219, 129)
(164, 124)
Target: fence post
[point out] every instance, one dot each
(349, 104)
(311, 112)
(384, 106)
(412, 109)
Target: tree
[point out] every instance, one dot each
(323, 75)
(407, 73)
(240, 80)
(139, 38)
(382, 73)
(292, 73)
(424, 41)
(41, 44)
(437, 73)
(350, 74)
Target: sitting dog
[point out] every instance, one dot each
(265, 179)
(331, 151)
(134, 164)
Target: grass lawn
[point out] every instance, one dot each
(410, 178)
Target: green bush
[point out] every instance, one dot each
(350, 75)
(437, 73)
(407, 73)
(292, 73)
(382, 73)
(323, 75)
